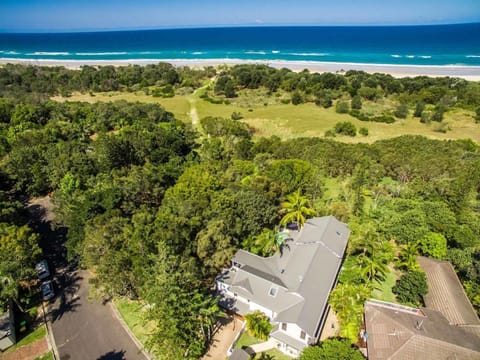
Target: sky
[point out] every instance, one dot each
(86, 15)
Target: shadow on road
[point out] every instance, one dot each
(69, 301)
(52, 242)
(113, 355)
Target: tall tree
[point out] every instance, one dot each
(295, 209)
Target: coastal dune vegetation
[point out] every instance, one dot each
(156, 206)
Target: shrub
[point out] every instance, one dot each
(401, 111)
(330, 133)
(419, 109)
(434, 245)
(438, 114)
(236, 116)
(477, 115)
(297, 98)
(363, 131)
(411, 287)
(426, 117)
(342, 107)
(332, 349)
(356, 102)
(345, 128)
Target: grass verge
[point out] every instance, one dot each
(37, 334)
(47, 356)
(134, 314)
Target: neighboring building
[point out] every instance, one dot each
(7, 330)
(396, 332)
(292, 287)
(239, 354)
(446, 293)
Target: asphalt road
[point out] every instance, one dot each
(83, 328)
(87, 329)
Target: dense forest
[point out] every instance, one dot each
(157, 207)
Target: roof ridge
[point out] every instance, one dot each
(402, 346)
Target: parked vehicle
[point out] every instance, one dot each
(47, 290)
(43, 271)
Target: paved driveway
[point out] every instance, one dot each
(83, 329)
(87, 329)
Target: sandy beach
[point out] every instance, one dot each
(471, 73)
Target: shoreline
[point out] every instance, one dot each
(471, 73)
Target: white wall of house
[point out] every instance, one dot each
(295, 332)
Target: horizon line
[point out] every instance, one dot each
(193, 27)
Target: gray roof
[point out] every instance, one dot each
(446, 293)
(303, 274)
(239, 354)
(399, 332)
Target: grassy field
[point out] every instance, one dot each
(290, 121)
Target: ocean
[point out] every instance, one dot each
(402, 45)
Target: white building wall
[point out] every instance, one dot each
(294, 331)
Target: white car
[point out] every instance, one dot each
(42, 270)
(47, 290)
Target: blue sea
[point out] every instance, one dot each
(405, 45)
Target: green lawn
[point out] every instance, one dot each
(247, 340)
(384, 289)
(37, 334)
(134, 314)
(291, 121)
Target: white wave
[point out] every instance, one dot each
(255, 52)
(149, 52)
(425, 56)
(307, 54)
(396, 56)
(275, 51)
(410, 56)
(473, 56)
(198, 53)
(9, 52)
(101, 53)
(54, 53)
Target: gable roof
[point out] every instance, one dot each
(400, 332)
(446, 293)
(303, 274)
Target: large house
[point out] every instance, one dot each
(292, 287)
(396, 332)
(447, 328)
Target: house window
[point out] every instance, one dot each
(273, 291)
(284, 326)
(302, 335)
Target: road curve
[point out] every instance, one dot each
(84, 328)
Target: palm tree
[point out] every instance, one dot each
(258, 325)
(373, 267)
(408, 256)
(208, 316)
(296, 209)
